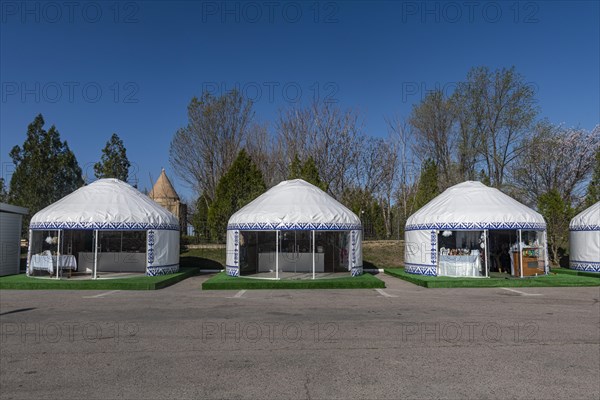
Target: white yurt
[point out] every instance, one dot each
(584, 240)
(291, 230)
(107, 228)
(473, 230)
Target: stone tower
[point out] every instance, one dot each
(164, 194)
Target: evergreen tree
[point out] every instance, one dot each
(593, 192)
(114, 162)
(558, 213)
(428, 184)
(368, 209)
(3, 192)
(200, 217)
(241, 184)
(45, 169)
(307, 171)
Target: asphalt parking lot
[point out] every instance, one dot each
(401, 342)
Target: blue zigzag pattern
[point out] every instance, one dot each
(458, 226)
(420, 269)
(294, 226)
(232, 271)
(162, 270)
(113, 226)
(356, 271)
(586, 266)
(588, 227)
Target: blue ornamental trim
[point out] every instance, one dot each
(434, 247)
(107, 226)
(294, 226)
(232, 271)
(356, 271)
(162, 270)
(580, 228)
(150, 250)
(236, 248)
(471, 226)
(586, 266)
(420, 269)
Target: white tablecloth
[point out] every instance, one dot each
(47, 263)
(459, 266)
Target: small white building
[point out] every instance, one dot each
(584, 240)
(10, 238)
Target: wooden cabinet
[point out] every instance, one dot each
(532, 264)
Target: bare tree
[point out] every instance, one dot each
(329, 135)
(201, 152)
(433, 121)
(501, 109)
(266, 154)
(555, 158)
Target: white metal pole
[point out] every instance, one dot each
(58, 254)
(520, 253)
(485, 244)
(276, 254)
(95, 253)
(313, 251)
(28, 271)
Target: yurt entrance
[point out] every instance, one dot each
(87, 253)
(293, 253)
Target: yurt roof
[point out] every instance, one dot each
(294, 205)
(587, 220)
(472, 206)
(163, 189)
(106, 204)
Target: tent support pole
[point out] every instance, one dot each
(520, 253)
(313, 251)
(276, 254)
(486, 249)
(95, 253)
(58, 254)
(29, 272)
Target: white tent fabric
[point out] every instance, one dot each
(294, 205)
(113, 205)
(584, 240)
(467, 206)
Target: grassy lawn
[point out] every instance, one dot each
(23, 282)
(552, 280)
(223, 282)
(383, 254)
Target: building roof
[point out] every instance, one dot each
(163, 189)
(474, 206)
(106, 204)
(9, 208)
(294, 205)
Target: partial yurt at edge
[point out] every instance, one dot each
(105, 228)
(584, 240)
(293, 229)
(473, 230)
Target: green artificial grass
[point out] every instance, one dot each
(221, 281)
(575, 272)
(23, 282)
(552, 280)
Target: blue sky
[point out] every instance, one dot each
(94, 68)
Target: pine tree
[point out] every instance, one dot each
(200, 217)
(428, 184)
(45, 169)
(241, 184)
(114, 162)
(557, 213)
(307, 171)
(3, 192)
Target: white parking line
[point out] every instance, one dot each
(238, 295)
(100, 295)
(384, 294)
(521, 293)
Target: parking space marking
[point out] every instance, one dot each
(521, 293)
(100, 295)
(238, 295)
(384, 294)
